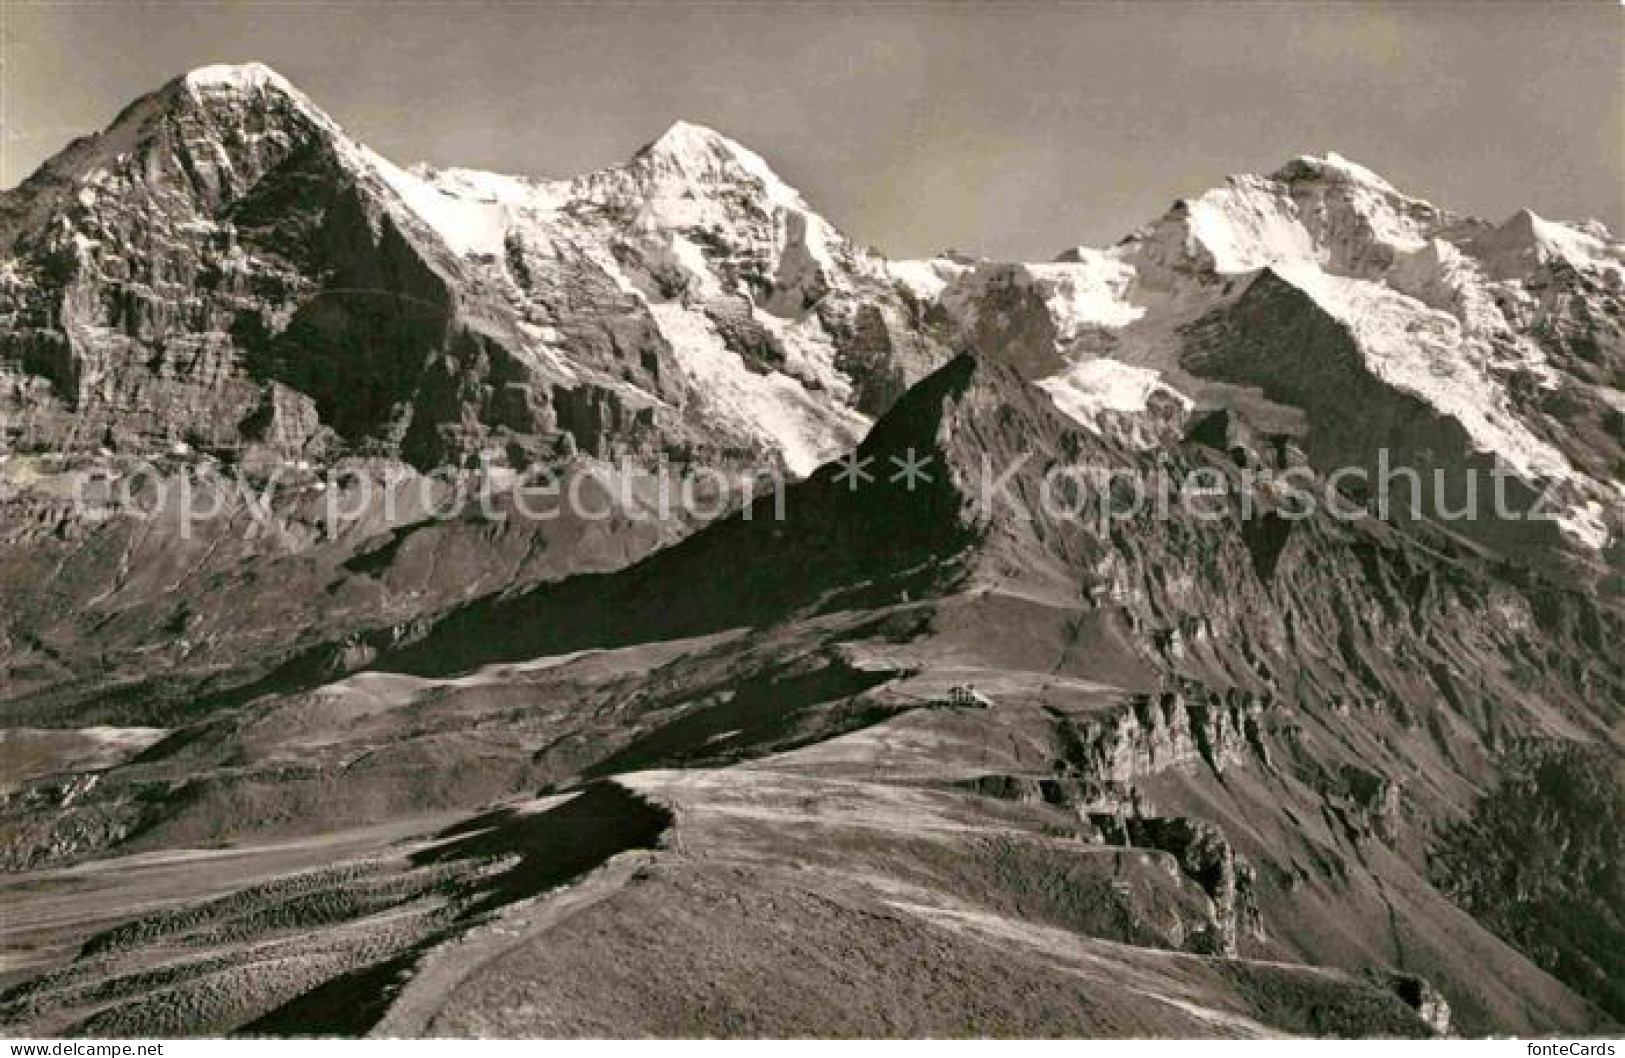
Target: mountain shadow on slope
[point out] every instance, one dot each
(841, 543)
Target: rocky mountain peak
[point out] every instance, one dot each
(206, 134)
(1332, 168)
(1509, 335)
(697, 286)
(1319, 210)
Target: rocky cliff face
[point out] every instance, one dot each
(1244, 747)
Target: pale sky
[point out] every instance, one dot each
(1011, 130)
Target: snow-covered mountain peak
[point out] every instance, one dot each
(1327, 211)
(241, 77)
(1490, 328)
(692, 279)
(1339, 216)
(688, 137)
(1527, 240)
(1333, 168)
(695, 154)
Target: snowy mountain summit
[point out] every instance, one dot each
(1475, 341)
(224, 246)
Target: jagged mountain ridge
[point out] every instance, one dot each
(225, 272)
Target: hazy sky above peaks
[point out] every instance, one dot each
(1008, 129)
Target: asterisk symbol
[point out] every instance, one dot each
(854, 470)
(911, 469)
